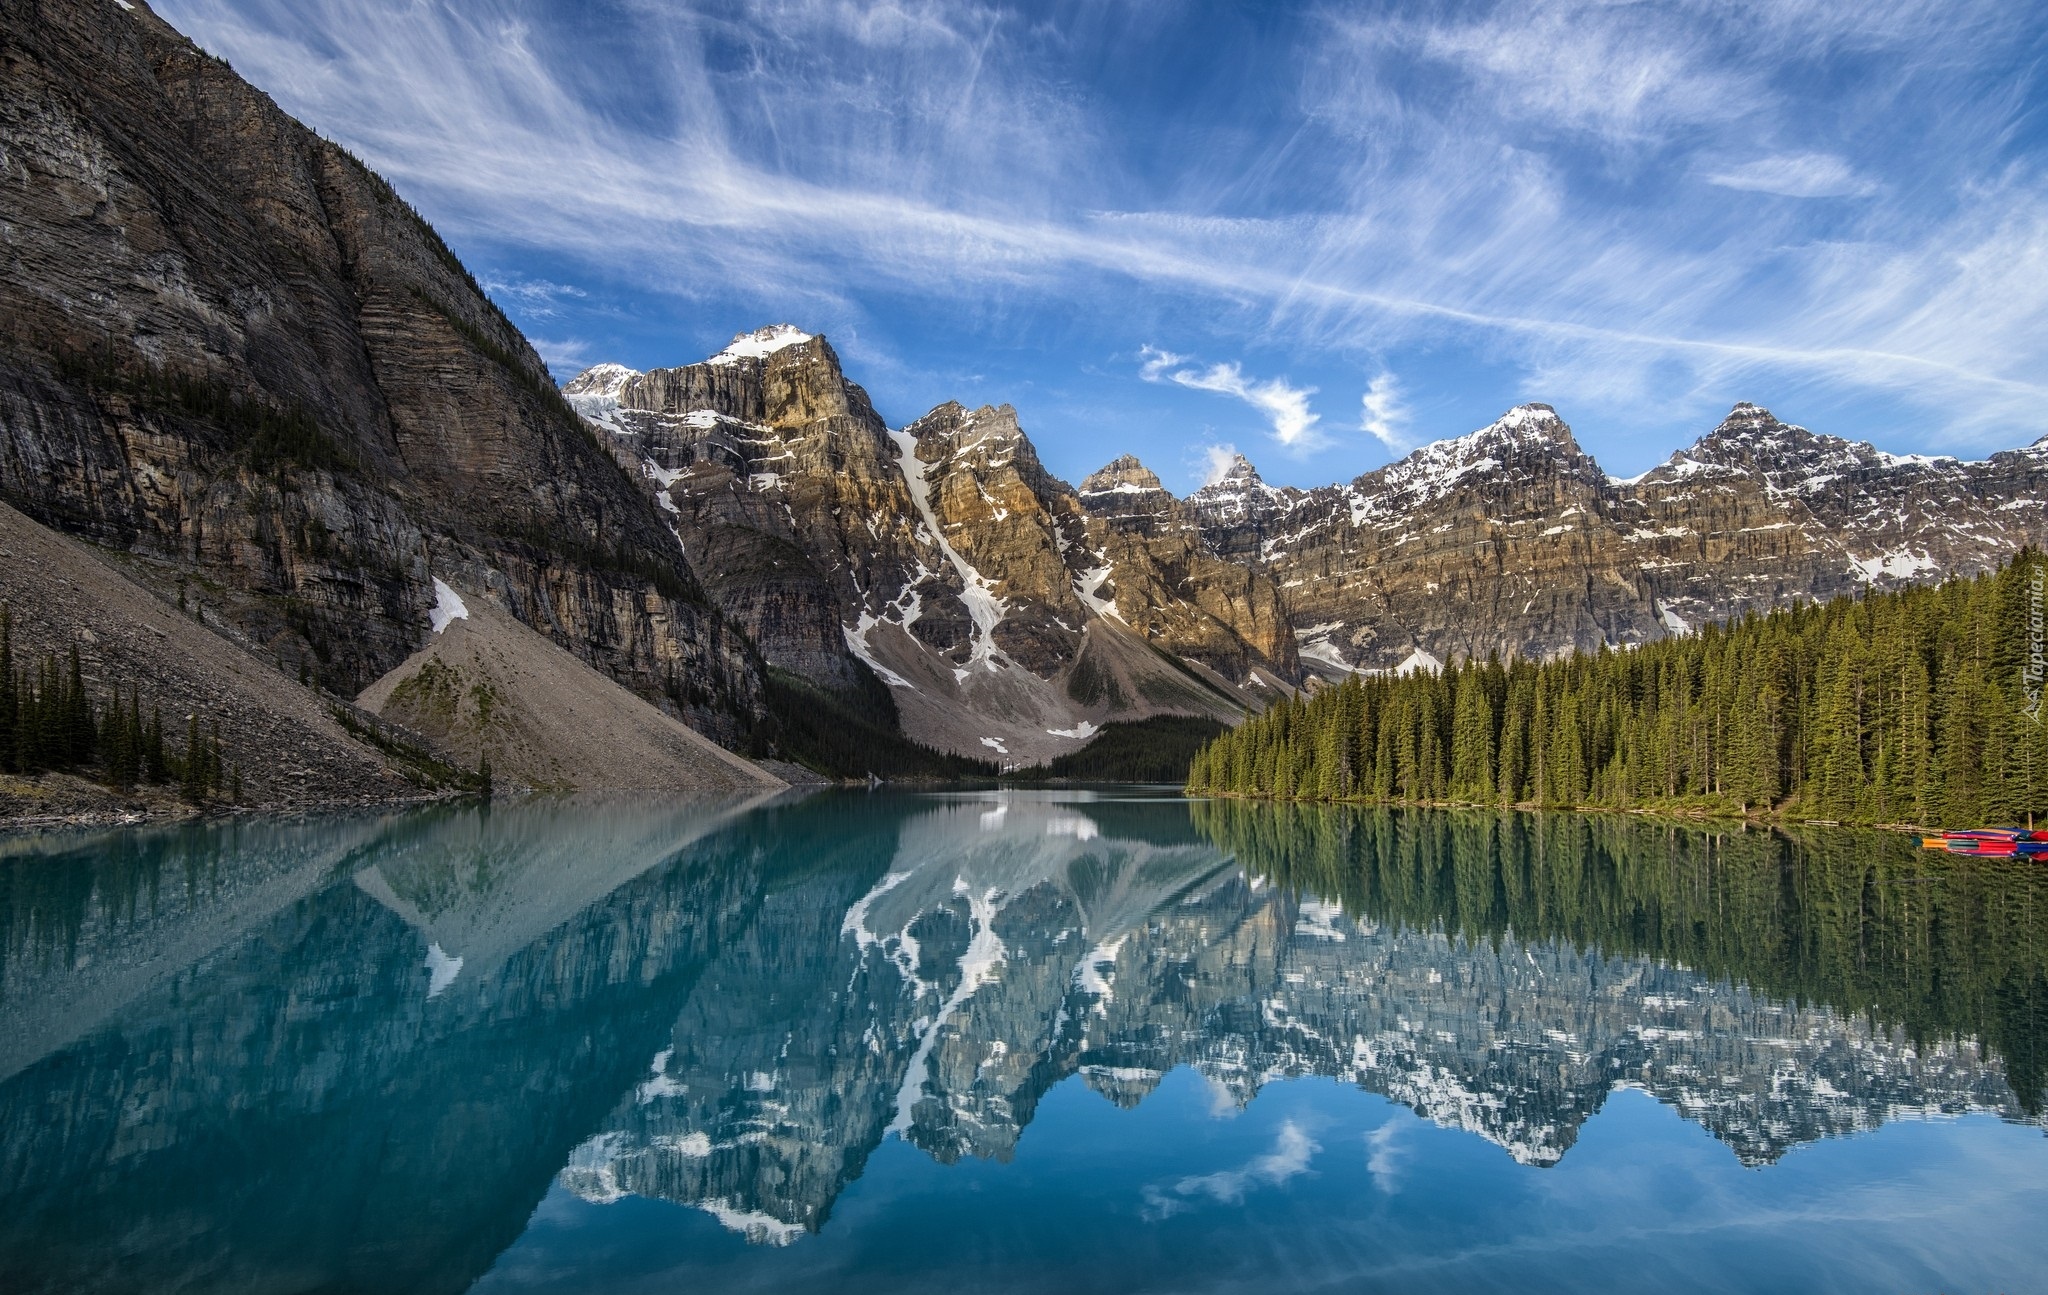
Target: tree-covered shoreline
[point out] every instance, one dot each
(1899, 708)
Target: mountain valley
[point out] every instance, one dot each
(237, 364)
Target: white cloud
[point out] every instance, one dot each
(1284, 405)
(1626, 73)
(1153, 362)
(1217, 460)
(565, 357)
(1531, 197)
(1796, 175)
(1383, 415)
(1289, 1158)
(1385, 1157)
(535, 298)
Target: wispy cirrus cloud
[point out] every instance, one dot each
(1284, 406)
(1488, 184)
(1383, 417)
(537, 298)
(1292, 1150)
(1795, 175)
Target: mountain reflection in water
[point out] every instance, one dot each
(355, 1053)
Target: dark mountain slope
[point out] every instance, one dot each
(230, 349)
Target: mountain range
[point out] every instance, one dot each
(241, 376)
(1008, 609)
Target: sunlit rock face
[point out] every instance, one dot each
(1513, 540)
(1007, 620)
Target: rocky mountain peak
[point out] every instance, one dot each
(1527, 439)
(760, 344)
(1124, 475)
(1240, 473)
(1239, 495)
(600, 380)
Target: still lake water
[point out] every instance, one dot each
(1016, 1042)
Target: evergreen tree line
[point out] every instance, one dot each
(1853, 920)
(1903, 707)
(49, 723)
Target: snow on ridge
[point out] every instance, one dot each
(1088, 588)
(979, 964)
(1416, 660)
(757, 1227)
(607, 379)
(760, 344)
(857, 643)
(977, 591)
(448, 607)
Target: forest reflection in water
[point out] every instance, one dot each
(357, 1052)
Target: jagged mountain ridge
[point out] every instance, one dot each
(1006, 619)
(1510, 539)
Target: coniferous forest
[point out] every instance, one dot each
(50, 723)
(1904, 707)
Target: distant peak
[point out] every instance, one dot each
(1124, 475)
(1241, 469)
(1745, 415)
(1529, 417)
(600, 380)
(760, 344)
(1525, 424)
(1238, 477)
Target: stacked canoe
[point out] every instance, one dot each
(1996, 842)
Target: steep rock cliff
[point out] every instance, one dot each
(231, 350)
(941, 557)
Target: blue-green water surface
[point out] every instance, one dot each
(1015, 1041)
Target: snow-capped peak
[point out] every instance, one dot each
(1432, 470)
(1239, 479)
(600, 380)
(760, 343)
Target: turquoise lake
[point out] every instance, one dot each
(992, 1041)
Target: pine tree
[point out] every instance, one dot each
(156, 765)
(1472, 761)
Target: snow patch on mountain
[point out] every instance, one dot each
(760, 344)
(1899, 564)
(857, 643)
(977, 592)
(1088, 588)
(448, 607)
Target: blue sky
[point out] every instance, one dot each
(1319, 234)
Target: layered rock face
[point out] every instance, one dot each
(1008, 619)
(1512, 539)
(230, 350)
(1168, 582)
(1759, 512)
